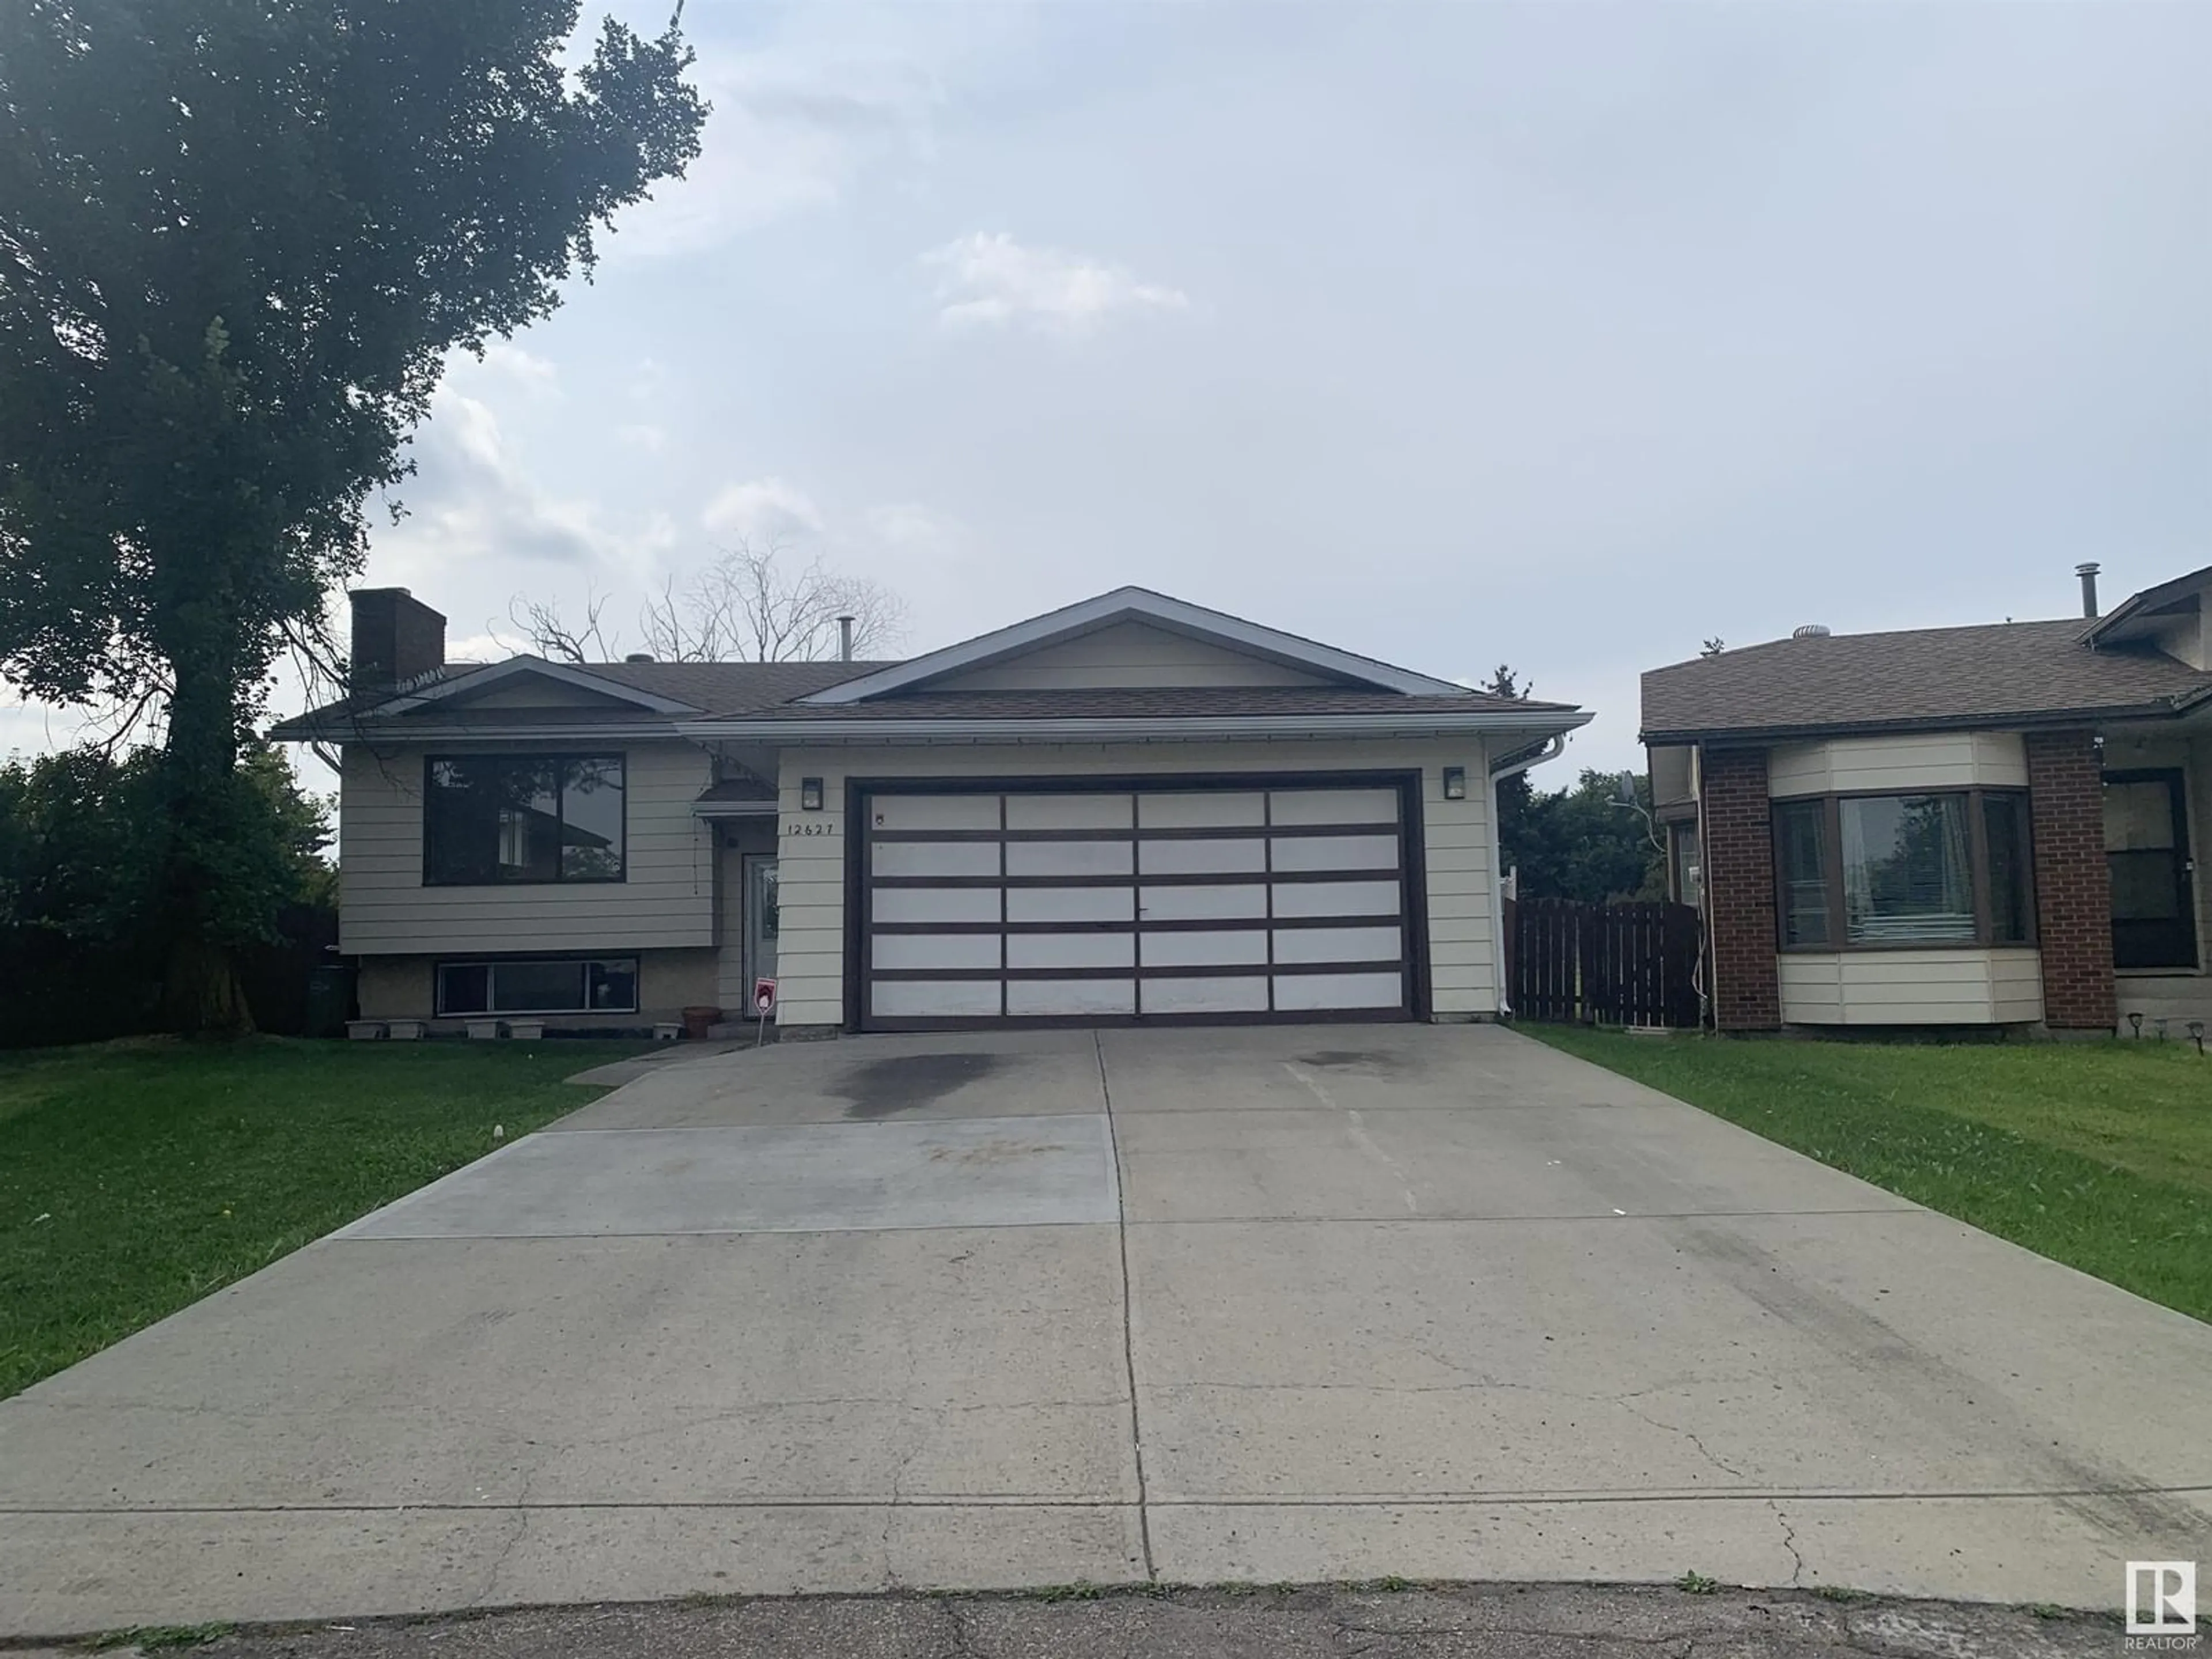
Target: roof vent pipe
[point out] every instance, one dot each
(845, 638)
(639, 656)
(2087, 572)
(1811, 631)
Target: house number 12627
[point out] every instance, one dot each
(810, 828)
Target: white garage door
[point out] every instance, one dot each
(1134, 905)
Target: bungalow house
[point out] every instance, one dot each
(1949, 827)
(1132, 810)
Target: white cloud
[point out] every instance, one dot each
(910, 527)
(796, 124)
(989, 278)
(493, 645)
(505, 357)
(764, 510)
(652, 439)
(473, 499)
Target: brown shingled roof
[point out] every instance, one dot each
(2002, 673)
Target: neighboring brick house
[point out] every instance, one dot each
(1949, 827)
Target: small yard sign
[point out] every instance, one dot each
(764, 997)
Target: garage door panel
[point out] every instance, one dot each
(1223, 994)
(1301, 807)
(1316, 993)
(1202, 809)
(1310, 853)
(934, 999)
(1234, 948)
(902, 906)
(1070, 811)
(1068, 858)
(1336, 898)
(1070, 951)
(905, 859)
(906, 950)
(1310, 944)
(1099, 998)
(1070, 904)
(1242, 901)
(1202, 858)
(896, 812)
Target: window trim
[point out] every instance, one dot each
(557, 759)
(491, 962)
(1978, 854)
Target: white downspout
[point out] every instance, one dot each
(1552, 748)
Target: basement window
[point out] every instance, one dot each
(596, 985)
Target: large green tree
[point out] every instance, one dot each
(239, 239)
(1584, 842)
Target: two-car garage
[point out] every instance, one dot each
(1151, 899)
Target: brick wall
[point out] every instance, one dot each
(1740, 890)
(2073, 885)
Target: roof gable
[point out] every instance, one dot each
(1132, 638)
(510, 684)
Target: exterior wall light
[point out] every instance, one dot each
(1455, 783)
(810, 794)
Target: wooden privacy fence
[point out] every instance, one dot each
(1608, 964)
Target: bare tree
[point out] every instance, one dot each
(554, 637)
(748, 605)
(761, 606)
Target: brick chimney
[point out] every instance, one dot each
(395, 637)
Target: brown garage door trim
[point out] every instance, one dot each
(1410, 873)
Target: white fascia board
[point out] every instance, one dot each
(1141, 605)
(818, 733)
(483, 679)
(383, 732)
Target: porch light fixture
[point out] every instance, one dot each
(1455, 783)
(810, 794)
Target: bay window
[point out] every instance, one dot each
(491, 820)
(1940, 868)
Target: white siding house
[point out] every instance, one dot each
(1130, 810)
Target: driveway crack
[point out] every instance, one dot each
(1128, 1337)
(1789, 1543)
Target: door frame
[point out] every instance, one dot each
(2176, 780)
(1413, 857)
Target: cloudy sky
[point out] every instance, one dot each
(1566, 337)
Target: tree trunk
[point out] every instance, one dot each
(200, 993)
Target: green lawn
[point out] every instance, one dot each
(137, 1176)
(2097, 1154)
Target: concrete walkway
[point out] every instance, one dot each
(1195, 1306)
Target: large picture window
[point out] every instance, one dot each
(494, 820)
(605, 985)
(1947, 867)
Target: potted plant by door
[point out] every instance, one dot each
(699, 1022)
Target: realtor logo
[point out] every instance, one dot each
(2163, 1599)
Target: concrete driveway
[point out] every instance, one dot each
(1259, 1304)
